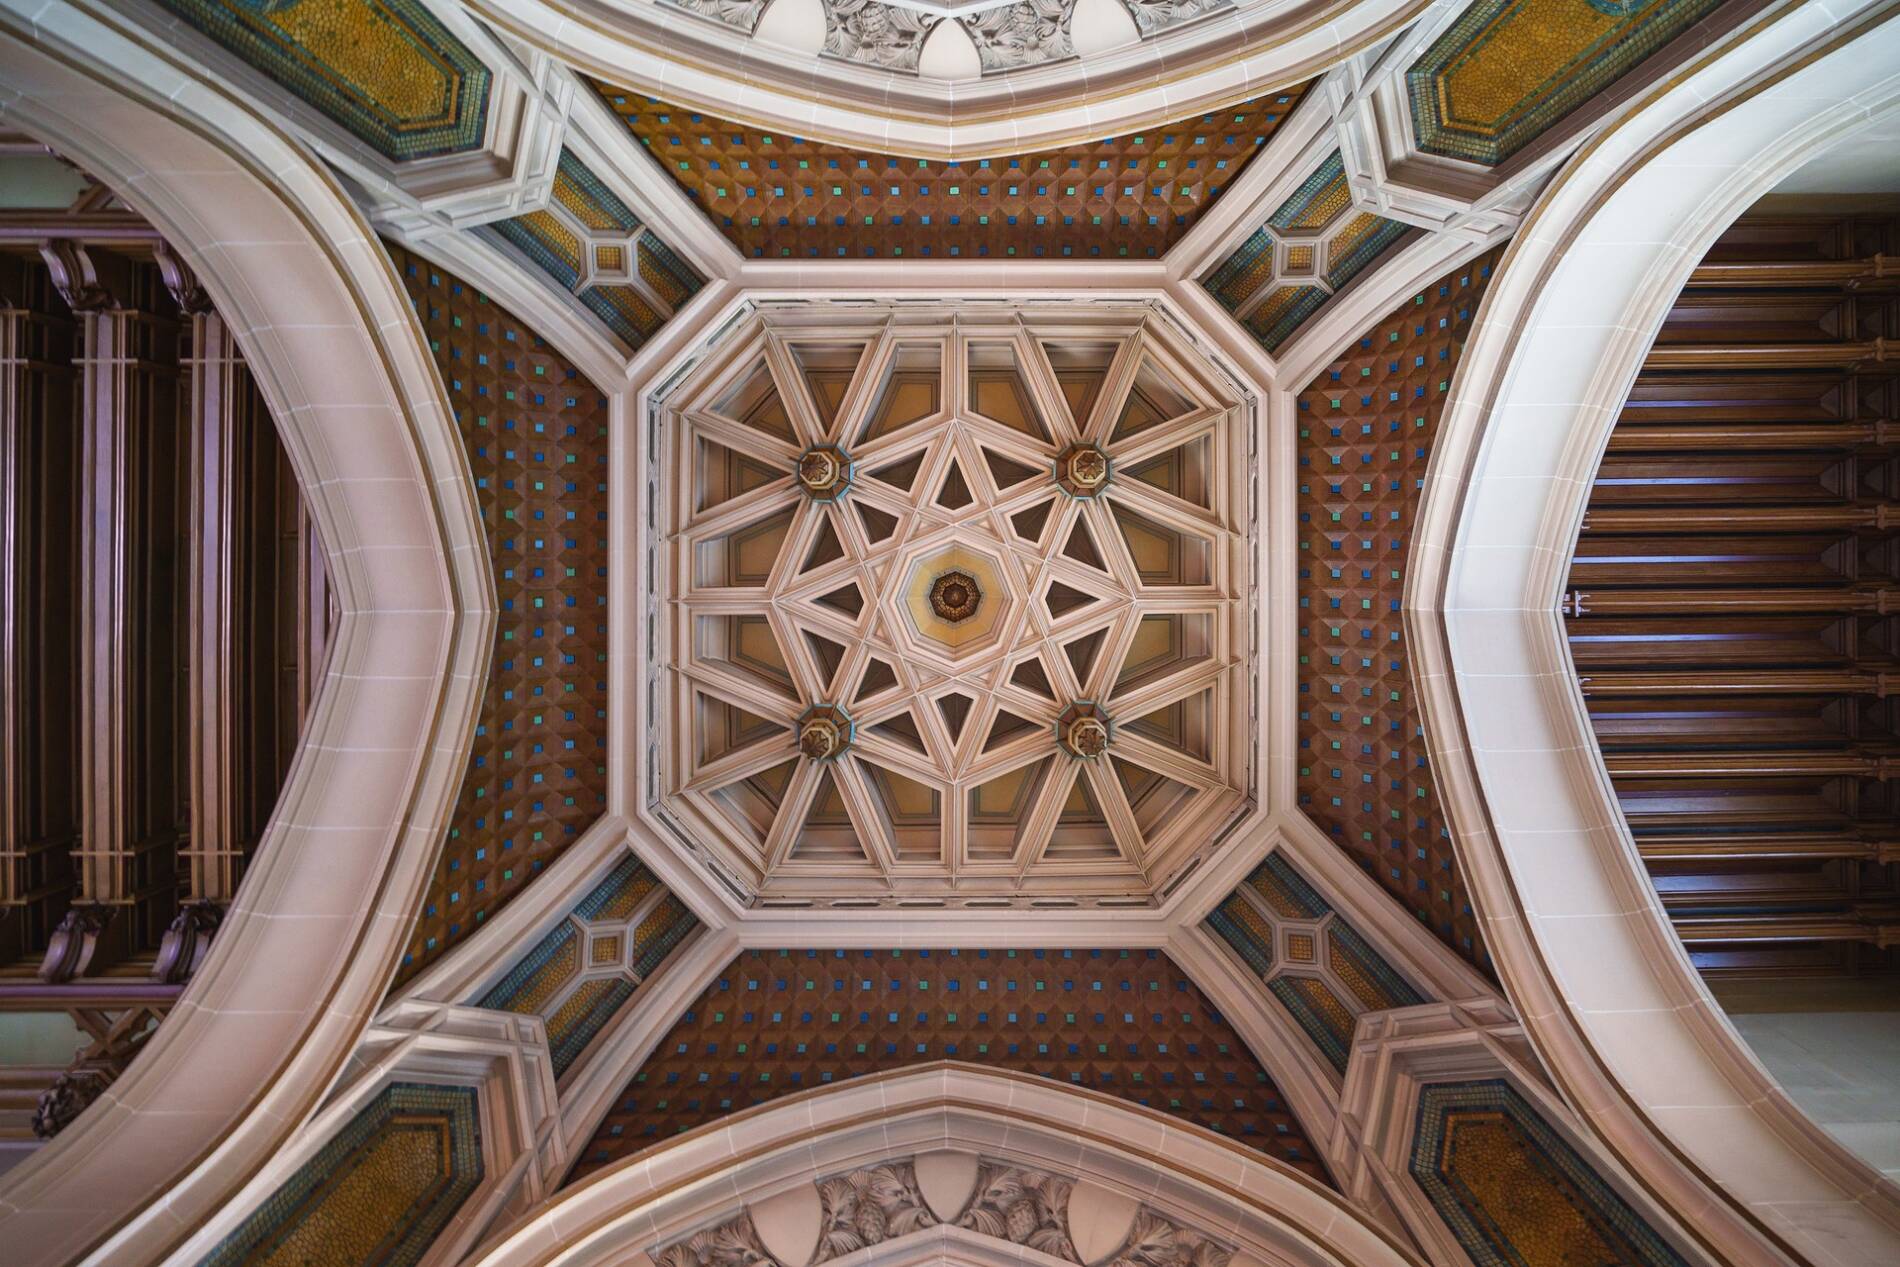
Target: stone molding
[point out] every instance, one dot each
(1619, 1018)
(948, 1121)
(700, 64)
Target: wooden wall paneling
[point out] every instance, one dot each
(133, 798)
(38, 668)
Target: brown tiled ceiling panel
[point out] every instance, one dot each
(1125, 1022)
(535, 432)
(1366, 425)
(780, 196)
(1733, 601)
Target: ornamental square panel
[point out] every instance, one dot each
(957, 603)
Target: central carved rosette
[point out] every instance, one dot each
(824, 732)
(1083, 730)
(824, 472)
(954, 596)
(1082, 470)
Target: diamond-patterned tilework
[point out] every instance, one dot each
(387, 70)
(1126, 1022)
(1515, 1192)
(1509, 69)
(1365, 434)
(535, 433)
(1127, 196)
(381, 1190)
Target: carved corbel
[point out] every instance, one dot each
(180, 280)
(75, 271)
(187, 941)
(70, 951)
(71, 1094)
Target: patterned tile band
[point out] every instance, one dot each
(1508, 70)
(380, 1191)
(1514, 1192)
(388, 71)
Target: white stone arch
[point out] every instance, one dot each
(318, 927)
(767, 1160)
(1232, 53)
(1619, 1016)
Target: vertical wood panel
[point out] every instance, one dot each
(38, 682)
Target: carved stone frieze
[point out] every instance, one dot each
(876, 34)
(1027, 33)
(869, 1206)
(1022, 1206)
(734, 1243)
(1158, 1241)
(1154, 16)
(741, 15)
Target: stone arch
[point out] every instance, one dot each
(330, 338)
(1619, 1016)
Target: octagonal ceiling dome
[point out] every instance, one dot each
(967, 529)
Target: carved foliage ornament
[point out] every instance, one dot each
(1023, 1207)
(1017, 1204)
(741, 15)
(868, 1207)
(876, 34)
(1027, 33)
(1152, 16)
(734, 1243)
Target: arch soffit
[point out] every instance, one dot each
(347, 375)
(1264, 1210)
(696, 64)
(1643, 1050)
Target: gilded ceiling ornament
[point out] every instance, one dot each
(868, 1207)
(1153, 16)
(741, 15)
(1027, 33)
(954, 596)
(1083, 730)
(824, 732)
(875, 34)
(1083, 470)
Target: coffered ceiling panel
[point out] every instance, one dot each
(959, 604)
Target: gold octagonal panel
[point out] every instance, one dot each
(958, 600)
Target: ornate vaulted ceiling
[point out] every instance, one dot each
(992, 500)
(959, 601)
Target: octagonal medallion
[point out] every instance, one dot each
(955, 599)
